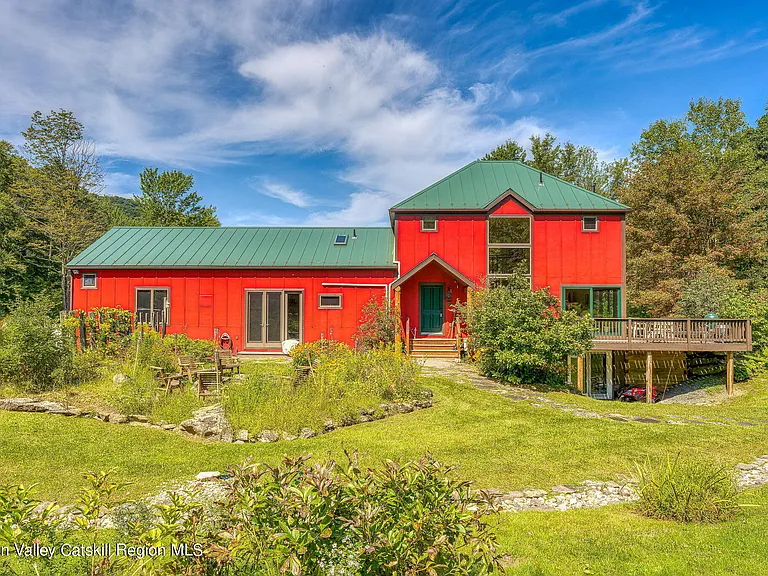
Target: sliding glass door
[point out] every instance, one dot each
(271, 317)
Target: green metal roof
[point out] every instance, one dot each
(479, 184)
(238, 247)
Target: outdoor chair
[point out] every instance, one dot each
(208, 383)
(227, 362)
(168, 382)
(188, 366)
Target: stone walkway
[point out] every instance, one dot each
(466, 372)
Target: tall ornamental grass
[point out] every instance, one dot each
(686, 490)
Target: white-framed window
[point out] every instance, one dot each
(329, 301)
(590, 224)
(429, 223)
(88, 281)
(509, 247)
(340, 240)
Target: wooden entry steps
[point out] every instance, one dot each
(434, 348)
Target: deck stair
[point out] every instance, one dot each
(434, 348)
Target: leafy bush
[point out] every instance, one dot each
(33, 346)
(298, 518)
(523, 335)
(378, 325)
(686, 491)
(318, 351)
(341, 383)
(183, 345)
(714, 289)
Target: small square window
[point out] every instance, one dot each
(329, 301)
(88, 281)
(429, 223)
(590, 224)
(341, 240)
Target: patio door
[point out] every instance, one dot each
(600, 375)
(271, 317)
(431, 305)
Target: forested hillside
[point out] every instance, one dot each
(53, 204)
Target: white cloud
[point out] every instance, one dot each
(284, 193)
(121, 184)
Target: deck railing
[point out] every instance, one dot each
(672, 334)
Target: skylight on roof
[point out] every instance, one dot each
(341, 240)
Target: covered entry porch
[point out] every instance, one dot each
(424, 301)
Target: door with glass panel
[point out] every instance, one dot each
(272, 316)
(599, 375)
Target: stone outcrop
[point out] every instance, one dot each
(209, 422)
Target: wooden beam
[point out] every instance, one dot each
(649, 377)
(399, 330)
(729, 373)
(580, 374)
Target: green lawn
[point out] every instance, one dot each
(615, 541)
(494, 441)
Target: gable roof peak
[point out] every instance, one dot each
(479, 184)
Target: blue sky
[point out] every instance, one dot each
(312, 113)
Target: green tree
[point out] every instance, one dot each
(167, 200)
(523, 335)
(56, 192)
(56, 143)
(510, 150)
(579, 165)
(698, 190)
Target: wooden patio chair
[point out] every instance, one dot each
(168, 382)
(208, 383)
(188, 366)
(227, 362)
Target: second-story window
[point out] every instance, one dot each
(509, 247)
(429, 223)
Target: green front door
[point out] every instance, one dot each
(431, 304)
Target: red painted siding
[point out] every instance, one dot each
(202, 300)
(561, 253)
(460, 240)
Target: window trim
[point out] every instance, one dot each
(421, 221)
(248, 345)
(597, 224)
(152, 299)
(489, 245)
(321, 306)
(95, 281)
(592, 288)
(343, 243)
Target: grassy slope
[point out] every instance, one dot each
(494, 441)
(614, 541)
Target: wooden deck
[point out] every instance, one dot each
(673, 334)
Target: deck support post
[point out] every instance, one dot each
(399, 330)
(649, 377)
(580, 373)
(729, 373)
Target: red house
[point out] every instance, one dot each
(261, 286)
